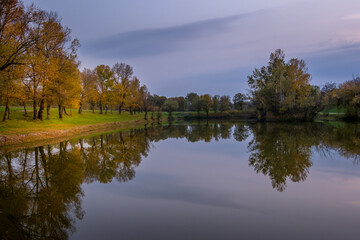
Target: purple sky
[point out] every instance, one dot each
(211, 46)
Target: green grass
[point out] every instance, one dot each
(20, 124)
(333, 111)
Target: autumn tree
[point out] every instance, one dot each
(18, 31)
(123, 75)
(10, 88)
(134, 96)
(88, 89)
(282, 90)
(105, 80)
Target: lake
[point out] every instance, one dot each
(197, 180)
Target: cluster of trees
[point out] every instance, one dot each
(205, 102)
(39, 64)
(38, 59)
(346, 96)
(282, 91)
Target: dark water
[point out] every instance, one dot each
(190, 181)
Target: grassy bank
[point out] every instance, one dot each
(21, 124)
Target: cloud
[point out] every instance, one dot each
(149, 42)
(352, 17)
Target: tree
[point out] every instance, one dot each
(145, 102)
(10, 88)
(18, 31)
(206, 103)
(281, 90)
(238, 101)
(88, 89)
(191, 97)
(196, 104)
(348, 95)
(216, 103)
(159, 103)
(134, 95)
(105, 80)
(225, 103)
(171, 105)
(123, 74)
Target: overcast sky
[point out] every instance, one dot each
(211, 46)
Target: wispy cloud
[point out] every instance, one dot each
(352, 17)
(149, 42)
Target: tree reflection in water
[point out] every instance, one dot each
(40, 188)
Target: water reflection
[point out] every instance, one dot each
(40, 188)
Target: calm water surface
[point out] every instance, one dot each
(216, 180)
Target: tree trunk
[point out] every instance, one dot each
(93, 108)
(24, 104)
(7, 112)
(152, 115)
(35, 110)
(106, 108)
(207, 114)
(120, 108)
(145, 115)
(80, 108)
(41, 109)
(131, 111)
(64, 109)
(60, 112)
(101, 110)
(48, 111)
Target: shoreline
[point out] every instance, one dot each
(13, 142)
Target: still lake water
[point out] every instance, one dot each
(216, 180)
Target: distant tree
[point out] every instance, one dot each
(159, 103)
(196, 104)
(171, 105)
(225, 103)
(238, 101)
(216, 103)
(145, 100)
(190, 98)
(182, 103)
(348, 95)
(206, 103)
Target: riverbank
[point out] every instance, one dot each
(22, 129)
